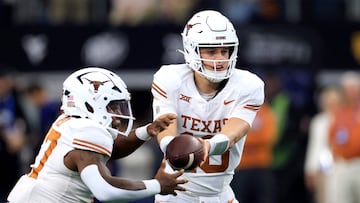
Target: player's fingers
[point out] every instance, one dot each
(162, 126)
(170, 116)
(180, 188)
(182, 181)
(178, 173)
(167, 119)
(206, 146)
(163, 164)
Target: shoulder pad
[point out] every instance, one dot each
(166, 80)
(92, 136)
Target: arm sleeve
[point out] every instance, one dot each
(103, 191)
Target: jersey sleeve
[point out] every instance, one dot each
(165, 85)
(251, 101)
(92, 138)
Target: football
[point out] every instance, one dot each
(184, 152)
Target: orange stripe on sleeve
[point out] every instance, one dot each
(252, 107)
(159, 90)
(92, 146)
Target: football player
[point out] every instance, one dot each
(212, 100)
(71, 164)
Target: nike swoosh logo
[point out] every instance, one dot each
(226, 102)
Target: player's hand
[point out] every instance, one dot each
(169, 182)
(160, 124)
(206, 148)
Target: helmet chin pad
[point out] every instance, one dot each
(214, 76)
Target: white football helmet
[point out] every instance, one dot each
(100, 95)
(209, 29)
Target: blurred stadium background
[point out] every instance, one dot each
(305, 43)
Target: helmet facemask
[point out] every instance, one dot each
(215, 75)
(121, 117)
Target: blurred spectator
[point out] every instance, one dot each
(12, 132)
(56, 12)
(137, 12)
(345, 142)
(327, 10)
(254, 181)
(318, 160)
(69, 11)
(288, 94)
(352, 10)
(99, 11)
(270, 10)
(280, 103)
(134, 12)
(65, 11)
(41, 112)
(175, 11)
(248, 11)
(29, 11)
(240, 11)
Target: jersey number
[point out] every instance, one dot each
(47, 148)
(211, 168)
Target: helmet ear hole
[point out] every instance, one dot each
(231, 50)
(66, 92)
(89, 108)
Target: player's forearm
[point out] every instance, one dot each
(235, 129)
(111, 188)
(123, 146)
(232, 132)
(166, 136)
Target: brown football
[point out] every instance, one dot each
(184, 152)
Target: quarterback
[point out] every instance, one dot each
(213, 101)
(71, 164)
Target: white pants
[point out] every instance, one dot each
(345, 178)
(187, 197)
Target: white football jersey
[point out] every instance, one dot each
(49, 179)
(174, 91)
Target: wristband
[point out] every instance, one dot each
(142, 134)
(218, 144)
(164, 142)
(153, 186)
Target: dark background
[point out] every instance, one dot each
(306, 43)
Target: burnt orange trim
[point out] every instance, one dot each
(226, 102)
(159, 90)
(52, 136)
(91, 145)
(252, 107)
